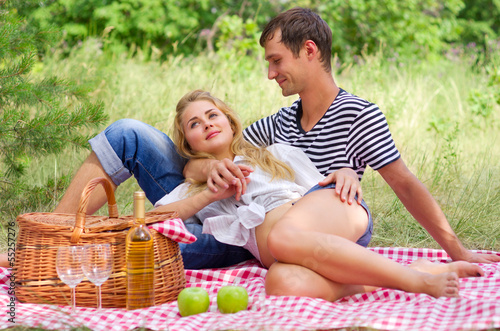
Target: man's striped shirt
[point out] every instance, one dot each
(353, 133)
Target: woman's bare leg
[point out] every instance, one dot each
(296, 280)
(4, 261)
(307, 235)
(90, 169)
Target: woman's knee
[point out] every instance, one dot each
(285, 279)
(125, 127)
(282, 239)
(293, 280)
(126, 136)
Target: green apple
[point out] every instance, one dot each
(193, 300)
(232, 299)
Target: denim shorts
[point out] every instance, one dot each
(364, 240)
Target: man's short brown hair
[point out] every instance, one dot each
(298, 25)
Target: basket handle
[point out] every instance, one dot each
(84, 201)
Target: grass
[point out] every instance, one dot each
(452, 149)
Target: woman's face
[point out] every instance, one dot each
(207, 129)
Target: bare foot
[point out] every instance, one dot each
(441, 285)
(461, 268)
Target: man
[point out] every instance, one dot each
(341, 134)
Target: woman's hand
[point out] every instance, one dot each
(224, 173)
(347, 184)
(226, 191)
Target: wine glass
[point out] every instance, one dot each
(97, 264)
(69, 268)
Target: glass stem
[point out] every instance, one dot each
(73, 300)
(99, 296)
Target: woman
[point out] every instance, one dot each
(312, 243)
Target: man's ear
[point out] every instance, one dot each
(311, 49)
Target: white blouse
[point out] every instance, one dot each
(229, 220)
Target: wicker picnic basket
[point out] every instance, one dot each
(40, 234)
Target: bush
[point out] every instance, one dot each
(405, 30)
(37, 117)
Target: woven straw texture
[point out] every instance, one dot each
(40, 235)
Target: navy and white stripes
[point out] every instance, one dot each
(353, 133)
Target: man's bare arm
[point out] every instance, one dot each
(424, 208)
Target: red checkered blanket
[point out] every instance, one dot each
(477, 308)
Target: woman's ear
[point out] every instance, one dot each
(233, 125)
(187, 147)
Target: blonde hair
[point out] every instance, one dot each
(255, 156)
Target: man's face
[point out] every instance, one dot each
(288, 71)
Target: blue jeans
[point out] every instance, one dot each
(130, 147)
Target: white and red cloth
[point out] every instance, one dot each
(174, 229)
(477, 308)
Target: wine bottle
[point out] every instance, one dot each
(140, 259)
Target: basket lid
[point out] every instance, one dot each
(81, 223)
(93, 224)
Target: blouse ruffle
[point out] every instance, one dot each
(234, 228)
(231, 221)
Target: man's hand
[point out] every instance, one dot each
(481, 258)
(347, 184)
(224, 173)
